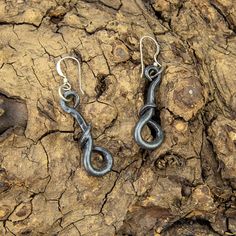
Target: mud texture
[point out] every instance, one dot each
(185, 187)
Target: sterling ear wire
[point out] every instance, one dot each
(153, 74)
(86, 141)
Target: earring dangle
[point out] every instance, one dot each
(153, 74)
(86, 141)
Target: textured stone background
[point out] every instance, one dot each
(186, 187)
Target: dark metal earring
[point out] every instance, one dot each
(153, 74)
(86, 141)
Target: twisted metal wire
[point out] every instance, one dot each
(86, 140)
(153, 74)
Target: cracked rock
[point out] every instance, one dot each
(186, 186)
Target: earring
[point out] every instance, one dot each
(86, 141)
(153, 74)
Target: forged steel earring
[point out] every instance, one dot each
(153, 74)
(67, 95)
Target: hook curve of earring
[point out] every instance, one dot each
(86, 140)
(156, 63)
(66, 86)
(153, 74)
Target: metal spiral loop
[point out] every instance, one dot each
(153, 74)
(86, 140)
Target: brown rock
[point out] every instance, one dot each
(21, 212)
(4, 212)
(202, 200)
(223, 133)
(187, 186)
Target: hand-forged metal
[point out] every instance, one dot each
(153, 74)
(86, 140)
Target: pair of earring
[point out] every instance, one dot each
(153, 74)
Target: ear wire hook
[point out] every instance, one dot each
(66, 86)
(86, 142)
(156, 63)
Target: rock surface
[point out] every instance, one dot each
(185, 187)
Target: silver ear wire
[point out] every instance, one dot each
(66, 86)
(156, 63)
